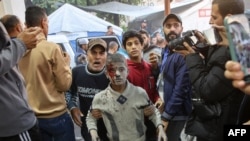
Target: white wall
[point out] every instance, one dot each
(14, 7)
(194, 19)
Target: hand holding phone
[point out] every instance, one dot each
(238, 33)
(212, 36)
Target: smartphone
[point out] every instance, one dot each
(238, 34)
(212, 36)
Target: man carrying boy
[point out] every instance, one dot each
(122, 104)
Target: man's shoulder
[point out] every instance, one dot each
(79, 69)
(49, 45)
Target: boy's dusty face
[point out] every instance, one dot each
(117, 73)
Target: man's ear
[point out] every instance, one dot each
(19, 27)
(43, 23)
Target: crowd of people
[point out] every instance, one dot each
(114, 98)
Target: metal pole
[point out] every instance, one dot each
(167, 7)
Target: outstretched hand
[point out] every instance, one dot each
(29, 36)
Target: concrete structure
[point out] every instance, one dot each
(14, 7)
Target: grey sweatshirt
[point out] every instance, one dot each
(15, 114)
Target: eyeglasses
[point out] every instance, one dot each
(175, 25)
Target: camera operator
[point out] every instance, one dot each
(207, 76)
(177, 86)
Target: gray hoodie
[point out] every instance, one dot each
(15, 114)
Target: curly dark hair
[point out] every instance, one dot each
(129, 34)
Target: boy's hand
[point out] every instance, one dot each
(94, 135)
(161, 134)
(165, 124)
(154, 60)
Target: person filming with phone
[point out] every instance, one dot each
(208, 80)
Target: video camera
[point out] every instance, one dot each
(191, 39)
(187, 36)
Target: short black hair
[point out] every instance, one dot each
(34, 15)
(9, 22)
(108, 27)
(129, 34)
(143, 31)
(230, 7)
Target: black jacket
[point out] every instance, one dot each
(244, 113)
(207, 77)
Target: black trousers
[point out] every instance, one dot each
(32, 134)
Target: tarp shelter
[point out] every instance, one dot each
(153, 14)
(75, 22)
(124, 9)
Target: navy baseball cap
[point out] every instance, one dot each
(174, 16)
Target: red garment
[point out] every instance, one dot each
(140, 74)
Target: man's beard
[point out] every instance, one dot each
(169, 36)
(145, 46)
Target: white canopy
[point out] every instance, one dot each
(71, 19)
(133, 10)
(125, 9)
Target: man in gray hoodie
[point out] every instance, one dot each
(17, 120)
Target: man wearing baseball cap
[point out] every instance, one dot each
(97, 42)
(144, 26)
(88, 80)
(173, 16)
(80, 56)
(176, 87)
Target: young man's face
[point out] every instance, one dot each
(96, 58)
(172, 29)
(134, 47)
(113, 50)
(117, 73)
(216, 17)
(84, 47)
(110, 29)
(143, 24)
(154, 41)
